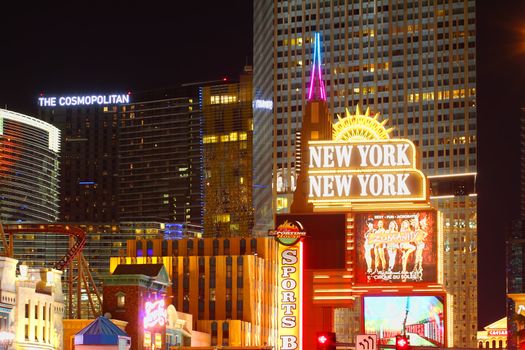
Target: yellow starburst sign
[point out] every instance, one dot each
(363, 164)
(360, 127)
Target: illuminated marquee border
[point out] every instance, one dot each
(423, 195)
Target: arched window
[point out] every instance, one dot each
(200, 247)
(139, 248)
(494, 343)
(480, 345)
(253, 245)
(149, 248)
(121, 300)
(164, 248)
(226, 245)
(189, 246)
(500, 343)
(225, 334)
(175, 248)
(215, 246)
(243, 246)
(213, 333)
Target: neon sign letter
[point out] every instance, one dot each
(155, 314)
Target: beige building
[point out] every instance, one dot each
(229, 285)
(35, 320)
(494, 336)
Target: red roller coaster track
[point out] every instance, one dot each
(78, 240)
(71, 231)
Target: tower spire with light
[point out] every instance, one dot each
(317, 90)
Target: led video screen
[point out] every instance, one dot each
(396, 247)
(420, 317)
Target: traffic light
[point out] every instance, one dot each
(325, 341)
(402, 342)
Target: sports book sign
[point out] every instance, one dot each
(359, 171)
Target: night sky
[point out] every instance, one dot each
(102, 47)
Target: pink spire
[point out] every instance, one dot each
(312, 91)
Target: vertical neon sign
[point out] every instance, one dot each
(290, 255)
(317, 67)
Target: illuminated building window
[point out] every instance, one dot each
(121, 300)
(139, 248)
(243, 136)
(233, 136)
(315, 135)
(224, 138)
(149, 248)
(282, 203)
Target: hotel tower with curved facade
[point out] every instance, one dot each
(29, 169)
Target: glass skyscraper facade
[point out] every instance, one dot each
(160, 158)
(227, 157)
(414, 62)
(29, 168)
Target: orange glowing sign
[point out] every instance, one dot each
(290, 296)
(364, 171)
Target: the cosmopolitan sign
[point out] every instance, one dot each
(83, 100)
(378, 170)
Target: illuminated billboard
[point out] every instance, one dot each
(358, 171)
(396, 247)
(290, 297)
(83, 100)
(420, 317)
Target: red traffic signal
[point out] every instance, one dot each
(402, 342)
(326, 341)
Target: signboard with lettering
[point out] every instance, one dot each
(155, 314)
(83, 100)
(289, 235)
(290, 318)
(364, 171)
(396, 247)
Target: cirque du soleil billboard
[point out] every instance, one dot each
(396, 247)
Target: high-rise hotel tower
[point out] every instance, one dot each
(414, 63)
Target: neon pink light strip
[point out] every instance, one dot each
(317, 65)
(312, 74)
(321, 84)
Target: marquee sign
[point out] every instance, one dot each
(85, 100)
(362, 164)
(289, 235)
(290, 295)
(364, 171)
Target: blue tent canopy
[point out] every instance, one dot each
(101, 331)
